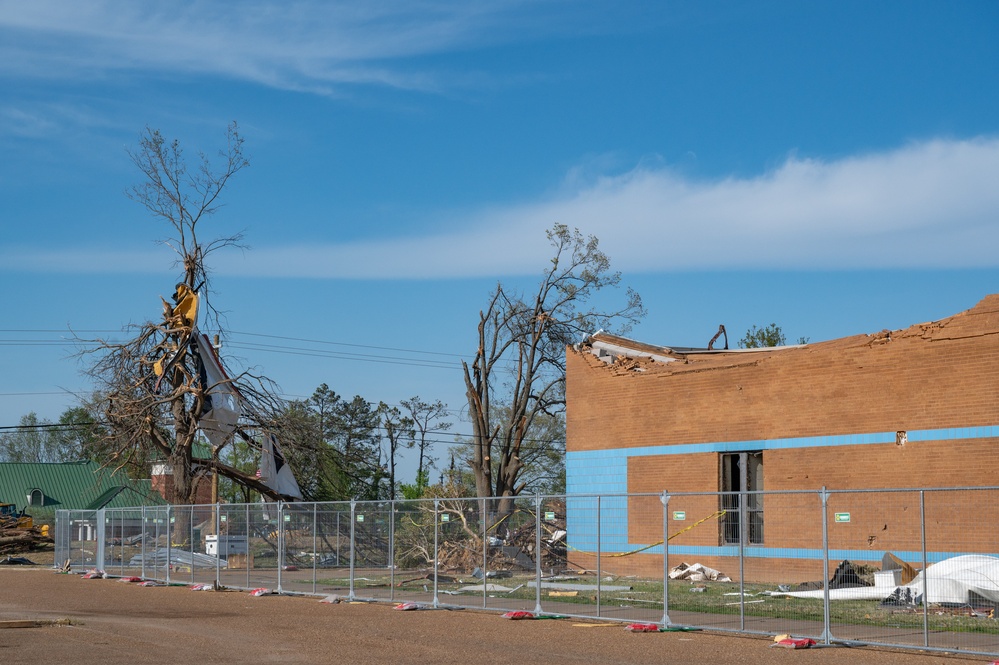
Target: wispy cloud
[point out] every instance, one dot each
(929, 204)
(308, 45)
(932, 204)
(85, 260)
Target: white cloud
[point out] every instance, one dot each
(307, 45)
(930, 204)
(85, 260)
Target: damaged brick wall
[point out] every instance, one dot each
(942, 375)
(928, 377)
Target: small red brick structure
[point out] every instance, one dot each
(161, 477)
(908, 408)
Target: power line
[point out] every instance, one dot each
(231, 332)
(361, 346)
(461, 439)
(48, 426)
(54, 330)
(319, 353)
(430, 363)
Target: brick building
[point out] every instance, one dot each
(908, 408)
(161, 477)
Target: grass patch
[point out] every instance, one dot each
(717, 598)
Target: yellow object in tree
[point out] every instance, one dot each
(187, 304)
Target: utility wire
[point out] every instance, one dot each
(231, 332)
(319, 353)
(265, 348)
(459, 440)
(361, 346)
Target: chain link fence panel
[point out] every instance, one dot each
(912, 568)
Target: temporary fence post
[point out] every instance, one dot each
(537, 553)
(218, 545)
(599, 548)
(71, 522)
(826, 622)
(113, 537)
(248, 532)
(743, 537)
(353, 518)
(315, 554)
(280, 540)
(101, 539)
(437, 552)
(664, 499)
(483, 518)
(190, 537)
(391, 552)
(122, 546)
(922, 535)
(169, 539)
(142, 544)
(109, 539)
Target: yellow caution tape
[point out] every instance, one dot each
(713, 516)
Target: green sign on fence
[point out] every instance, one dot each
(679, 515)
(842, 517)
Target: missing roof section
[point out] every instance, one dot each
(610, 347)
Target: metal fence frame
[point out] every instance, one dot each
(368, 549)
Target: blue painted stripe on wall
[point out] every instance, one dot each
(676, 552)
(606, 472)
(582, 459)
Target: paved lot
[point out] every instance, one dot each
(114, 622)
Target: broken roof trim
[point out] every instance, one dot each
(606, 345)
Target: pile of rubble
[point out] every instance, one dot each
(15, 540)
(513, 548)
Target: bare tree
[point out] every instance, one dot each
(399, 432)
(152, 392)
(428, 418)
(518, 371)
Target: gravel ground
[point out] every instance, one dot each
(108, 622)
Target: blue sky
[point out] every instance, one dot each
(829, 166)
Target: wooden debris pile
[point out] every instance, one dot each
(17, 541)
(553, 534)
(515, 548)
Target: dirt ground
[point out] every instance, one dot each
(108, 621)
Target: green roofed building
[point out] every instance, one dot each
(44, 488)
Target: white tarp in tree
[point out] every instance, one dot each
(222, 401)
(275, 472)
(220, 417)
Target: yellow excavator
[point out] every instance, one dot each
(10, 518)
